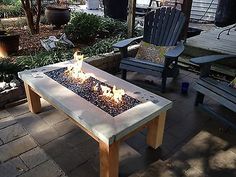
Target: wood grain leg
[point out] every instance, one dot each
(156, 131)
(33, 99)
(109, 159)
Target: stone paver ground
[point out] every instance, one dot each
(48, 144)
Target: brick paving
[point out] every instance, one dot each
(48, 144)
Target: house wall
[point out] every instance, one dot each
(143, 2)
(199, 7)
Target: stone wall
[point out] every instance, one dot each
(10, 95)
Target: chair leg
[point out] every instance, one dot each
(176, 73)
(123, 74)
(163, 84)
(199, 98)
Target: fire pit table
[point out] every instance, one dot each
(107, 128)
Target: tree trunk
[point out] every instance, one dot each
(116, 9)
(29, 12)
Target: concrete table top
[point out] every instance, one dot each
(105, 127)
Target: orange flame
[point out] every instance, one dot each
(75, 70)
(115, 94)
(79, 61)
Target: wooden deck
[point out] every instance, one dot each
(207, 43)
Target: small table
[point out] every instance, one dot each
(108, 131)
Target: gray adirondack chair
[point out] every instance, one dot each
(162, 27)
(215, 89)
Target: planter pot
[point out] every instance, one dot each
(9, 43)
(92, 4)
(57, 15)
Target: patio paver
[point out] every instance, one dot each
(4, 113)
(7, 122)
(13, 167)
(47, 169)
(48, 144)
(34, 157)
(16, 147)
(11, 133)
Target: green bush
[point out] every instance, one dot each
(43, 20)
(102, 46)
(8, 67)
(7, 2)
(11, 8)
(43, 58)
(85, 27)
(82, 27)
(8, 70)
(111, 27)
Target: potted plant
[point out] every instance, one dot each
(9, 43)
(57, 14)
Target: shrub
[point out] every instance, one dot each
(8, 70)
(85, 27)
(43, 58)
(102, 46)
(43, 20)
(82, 27)
(7, 2)
(111, 27)
(10, 8)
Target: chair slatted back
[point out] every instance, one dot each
(163, 26)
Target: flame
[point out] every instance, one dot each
(106, 91)
(79, 61)
(75, 70)
(3, 52)
(96, 88)
(115, 94)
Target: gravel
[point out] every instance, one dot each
(86, 91)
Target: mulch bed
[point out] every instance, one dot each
(31, 43)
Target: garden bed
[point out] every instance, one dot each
(30, 44)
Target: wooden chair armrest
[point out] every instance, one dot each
(125, 43)
(211, 58)
(176, 52)
(206, 61)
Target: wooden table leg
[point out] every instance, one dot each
(109, 159)
(156, 131)
(33, 99)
